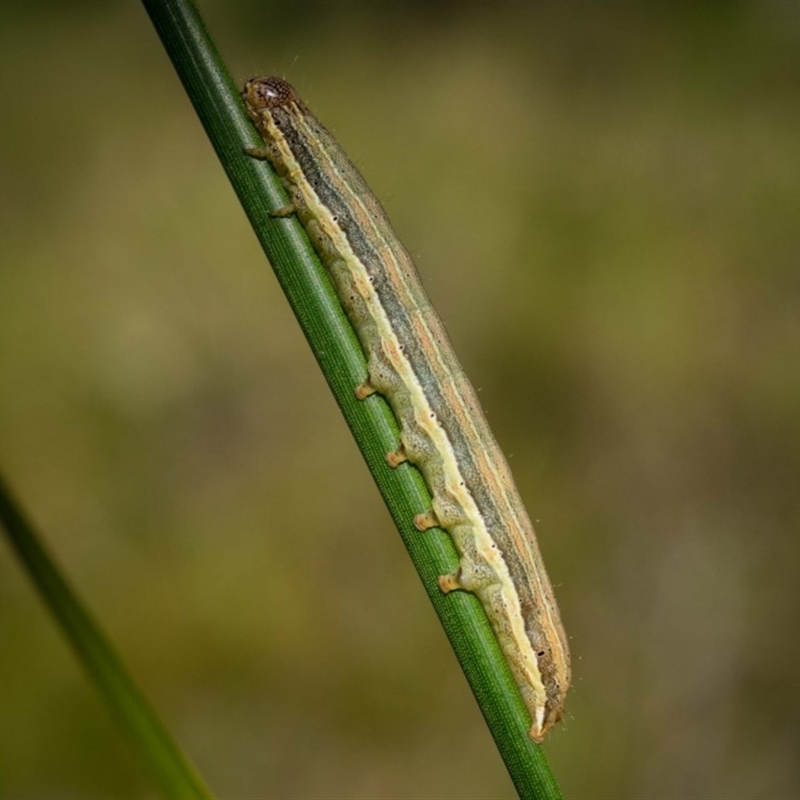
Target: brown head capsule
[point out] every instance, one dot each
(267, 93)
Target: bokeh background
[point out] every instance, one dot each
(604, 202)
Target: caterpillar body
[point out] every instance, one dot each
(412, 364)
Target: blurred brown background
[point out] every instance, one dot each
(603, 202)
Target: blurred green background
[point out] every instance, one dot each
(603, 203)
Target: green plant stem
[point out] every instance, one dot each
(169, 767)
(310, 293)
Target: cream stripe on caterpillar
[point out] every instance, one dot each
(411, 362)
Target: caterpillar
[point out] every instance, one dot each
(443, 431)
